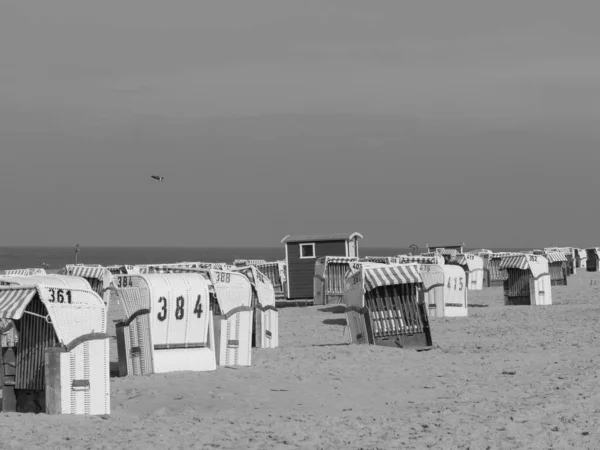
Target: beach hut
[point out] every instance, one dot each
(275, 272)
(301, 253)
(383, 306)
(444, 290)
(99, 278)
(60, 364)
(167, 324)
(593, 259)
(265, 333)
(473, 267)
(25, 272)
(330, 279)
(528, 281)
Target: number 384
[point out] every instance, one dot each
(179, 308)
(455, 283)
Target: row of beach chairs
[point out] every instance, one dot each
(171, 317)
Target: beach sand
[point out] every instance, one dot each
(504, 377)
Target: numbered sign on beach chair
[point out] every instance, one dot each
(60, 364)
(100, 278)
(383, 307)
(266, 316)
(330, 279)
(444, 290)
(528, 281)
(167, 325)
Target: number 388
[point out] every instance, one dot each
(223, 277)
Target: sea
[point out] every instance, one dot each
(53, 258)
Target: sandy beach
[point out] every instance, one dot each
(504, 377)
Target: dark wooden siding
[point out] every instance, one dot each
(302, 271)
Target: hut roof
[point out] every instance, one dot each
(321, 238)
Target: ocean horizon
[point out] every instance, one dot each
(57, 257)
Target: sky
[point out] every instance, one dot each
(407, 121)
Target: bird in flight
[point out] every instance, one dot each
(156, 177)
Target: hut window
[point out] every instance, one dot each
(307, 251)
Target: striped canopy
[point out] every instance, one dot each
(14, 300)
(96, 272)
(460, 259)
(390, 275)
(248, 262)
(448, 251)
(419, 259)
(381, 259)
(555, 257)
(504, 254)
(25, 272)
(340, 259)
(514, 262)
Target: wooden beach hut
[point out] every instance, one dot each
(528, 281)
(444, 290)
(593, 259)
(383, 306)
(473, 266)
(301, 253)
(60, 364)
(167, 323)
(330, 279)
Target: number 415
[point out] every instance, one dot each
(457, 282)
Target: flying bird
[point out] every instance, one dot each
(156, 177)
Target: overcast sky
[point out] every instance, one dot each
(408, 121)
